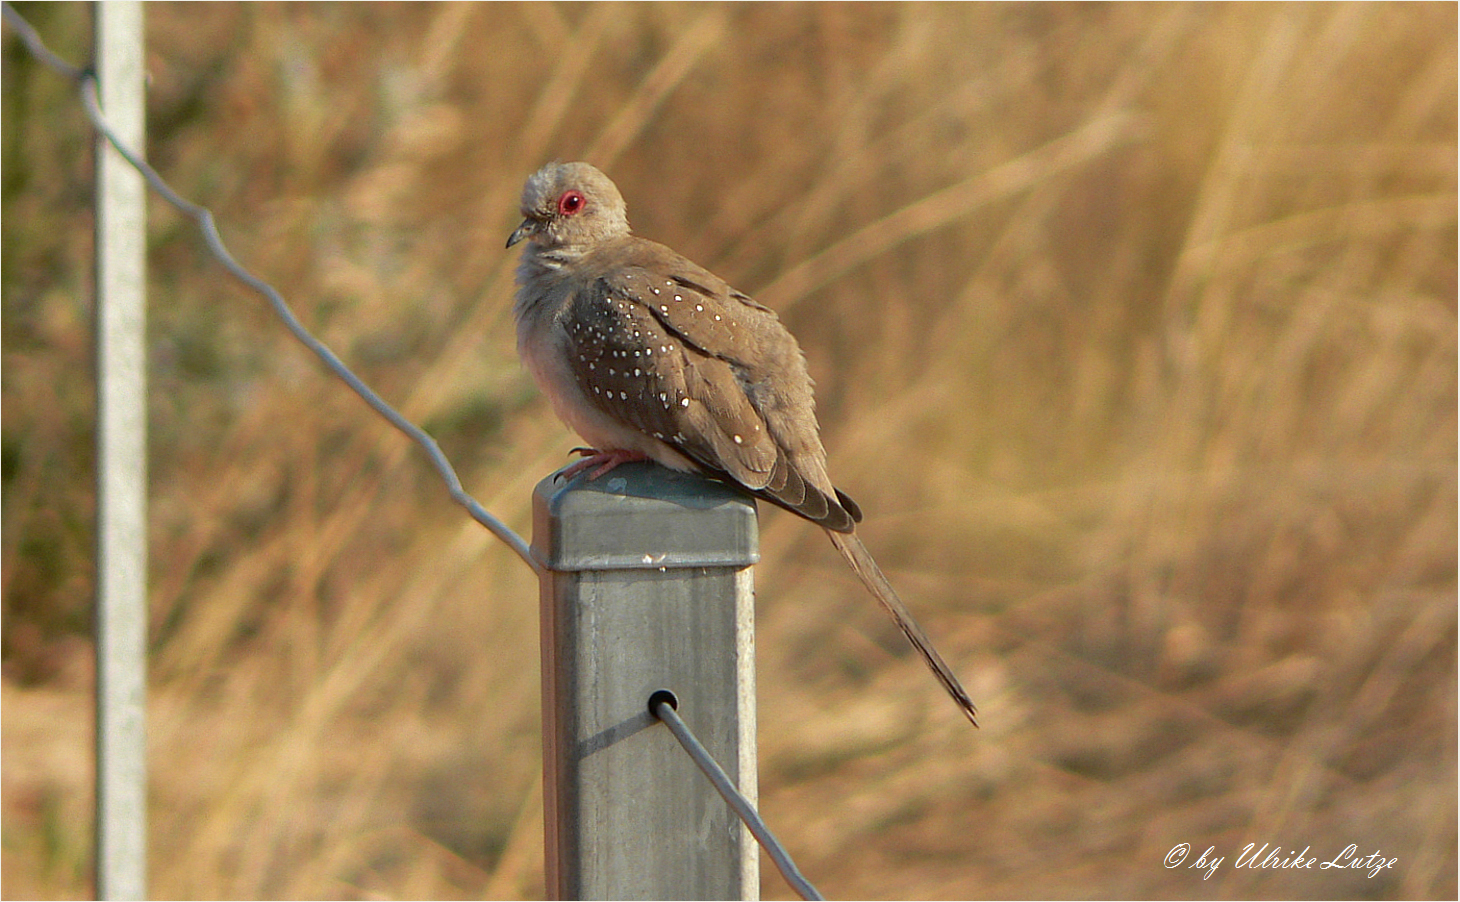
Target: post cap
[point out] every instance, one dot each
(642, 516)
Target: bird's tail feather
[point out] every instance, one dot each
(860, 559)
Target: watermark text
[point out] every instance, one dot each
(1266, 856)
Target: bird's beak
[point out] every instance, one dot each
(528, 228)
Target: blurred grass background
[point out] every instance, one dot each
(1134, 329)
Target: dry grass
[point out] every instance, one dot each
(1135, 330)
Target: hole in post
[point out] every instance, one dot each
(662, 696)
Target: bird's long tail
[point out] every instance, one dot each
(860, 559)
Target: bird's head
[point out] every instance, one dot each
(570, 205)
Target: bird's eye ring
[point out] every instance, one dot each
(571, 202)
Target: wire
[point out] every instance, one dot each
(661, 705)
(38, 48)
(209, 229)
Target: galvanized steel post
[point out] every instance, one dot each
(121, 464)
(647, 586)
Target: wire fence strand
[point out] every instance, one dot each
(662, 707)
(85, 80)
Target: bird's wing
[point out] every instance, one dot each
(640, 370)
(700, 308)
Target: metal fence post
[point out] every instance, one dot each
(121, 465)
(647, 586)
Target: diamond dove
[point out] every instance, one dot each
(648, 356)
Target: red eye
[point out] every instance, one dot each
(570, 203)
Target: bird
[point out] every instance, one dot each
(648, 356)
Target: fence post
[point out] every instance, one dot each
(647, 586)
(121, 465)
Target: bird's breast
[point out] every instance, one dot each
(543, 345)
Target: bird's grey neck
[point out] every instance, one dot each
(543, 267)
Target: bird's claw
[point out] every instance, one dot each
(603, 460)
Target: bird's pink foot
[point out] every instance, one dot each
(603, 460)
